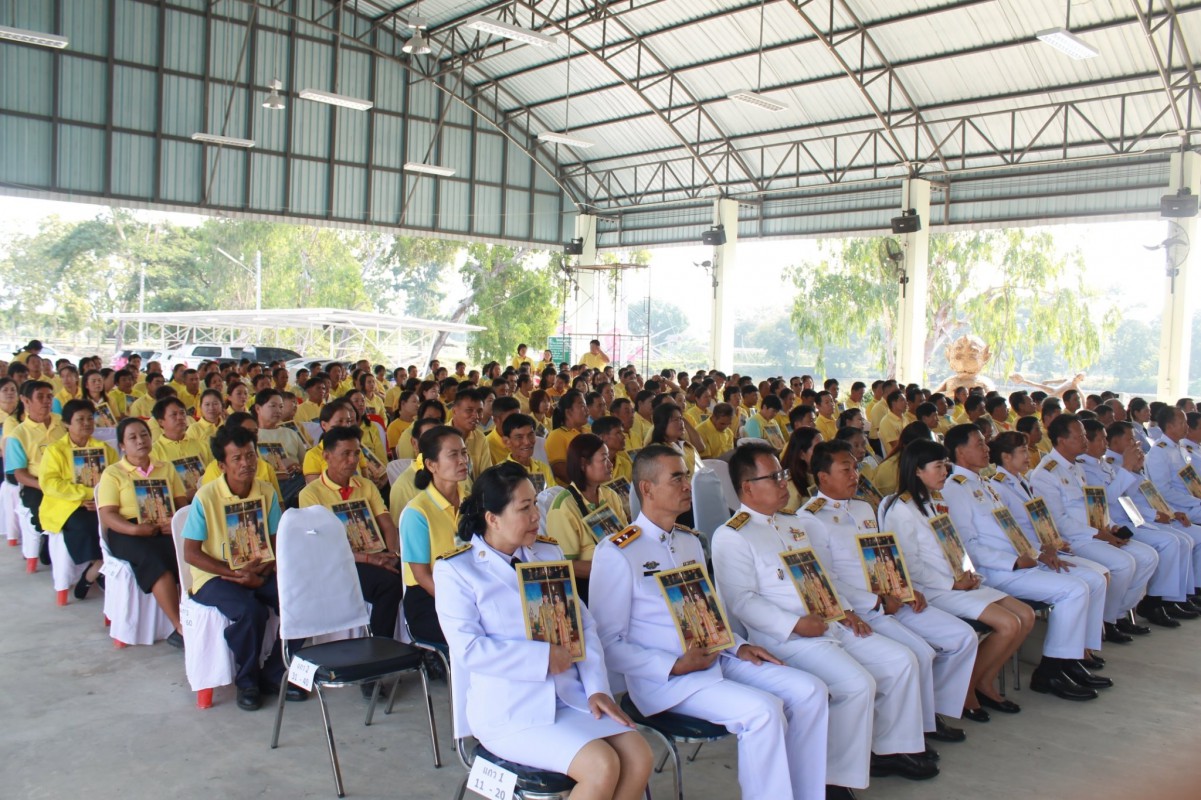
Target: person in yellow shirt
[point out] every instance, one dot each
(70, 471)
(238, 397)
(336, 414)
(189, 456)
(764, 424)
(640, 431)
(797, 457)
(927, 414)
(372, 440)
(571, 415)
(521, 358)
(393, 392)
(429, 409)
(263, 472)
(142, 539)
(669, 430)
(92, 390)
(465, 418)
(502, 408)
(372, 399)
(701, 407)
(717, 432)
(878, 409)
(190, 396)
(310, 409)
(26, 442)
(893, 420)
(144, 405)
(595, 358)
(547, 362)
(429, 524)
(825, 421)
(212, 417)
(69, 379)
(998, 411)
(370, 531)
(119, 398)
(518, 432)
(406, 414)
(612, 433)
(23, 355)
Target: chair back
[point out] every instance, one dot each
(546, 499)
(185, 571)
(727, 486)
(395, 468)
(106, 435)
(540, 448)
(708, 503)
(635, 504)
(318, 586)
(313, 429)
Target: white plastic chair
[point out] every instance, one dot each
(727, 486)
(208, 661)
(546, 499)
(10, 526)
(708, 504)
(31, 540)
(635, 505)
(397, 467)
(133, 616)
(106, 435)
(313, 429)
(318, 595)
(540, 449)
(63, 570)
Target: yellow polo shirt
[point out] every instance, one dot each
(397, 429)
(496, 446)
(565, 523)
(142, 407)
(119, 403)
(324, 492)
(202, 431)
(826, 426)
(66, 485)
(308, 412)
(26, 442)
(557, 442)
(890, 431)
(116, 486)
(207, 521)
(537, 467)
(190, 457)
(428, 526)
(405, 489)
(263, 472)
(716, 443)
(875, 413)
(593, 361)
(479, 451)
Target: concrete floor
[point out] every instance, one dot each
(82, 719)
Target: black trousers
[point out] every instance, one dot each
(247, 610)
(422, 616)
(382, 589)
(32, 499)
(81, 534)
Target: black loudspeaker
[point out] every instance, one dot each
(1176, 206)
(908, 222)
(714, 236)
(574, 248)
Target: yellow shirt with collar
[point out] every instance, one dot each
(594, 360)
(479, 451)
(565, 522)
(405, 489)
(116, 487)
(63, 396)
(696, 415)
(623, 466)
(875, 414)
(308, 412)
(536, 467)
(519, 360)
(557, 442)
(398, 429)
(184, 456)
(35, 439)
(826, 426)
(716, 443)
(202, 431)
(431, 514)
(890, 431)
(62, 494)
(496, 446)
(545, 365)
(263, 472)
(213, 498)
(392, 399)
(119, 403)
(142, 407)
(640, 433)
(324, 492)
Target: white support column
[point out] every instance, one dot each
(1176, 330)
(912, 296)
(588, 305)
(725, 264)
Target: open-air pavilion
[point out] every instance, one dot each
(602, 125)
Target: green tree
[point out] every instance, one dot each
(667, 320)
(1008, 287)
(413, 270)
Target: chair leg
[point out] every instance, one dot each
(371, 704)
(392, 695)
(279, 713)
(678, 771)
(695, 752)
(462, 790)
(1017, 674)
(204, 699)
(429, 711)
(663, 761)
(329, 740)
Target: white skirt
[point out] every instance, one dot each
(552, 747)
(967, 605)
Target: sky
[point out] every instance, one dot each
(1113, 252)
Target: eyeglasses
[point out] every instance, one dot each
(779, 476)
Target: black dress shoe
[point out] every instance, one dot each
(1132, 628)
(1060, 685)
(250, 698)
(81, 588)
(293, 693)
(1004, 706)
(175, 640)
(1115, 636)
(915, 767)
(944, 732)
(976, 714)
(931, 755)
(1093, 662)
(1190, 605)
(839, 793)
(1178, 611)
(1157, 614)
(1082, 677)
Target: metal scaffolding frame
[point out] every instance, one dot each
(579, 339)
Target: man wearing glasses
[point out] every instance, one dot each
(864, 672)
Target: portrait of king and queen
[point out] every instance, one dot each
(88, 465)
(154, 502)
(812, 584)
(548, 599)
(693, 605)
(360, 525)
(246, 533)
(884, 566)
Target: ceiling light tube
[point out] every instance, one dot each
(33, 37)
(1067, 42)
(229, 141)
(757, 100)
(563, 138)
(329, 98)
(429, 169)
(509, 31)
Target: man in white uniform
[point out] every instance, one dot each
(780, 715)
(945, 645)
(1074, 590)
(863, 671)
(1059, 480)
(1165, 461)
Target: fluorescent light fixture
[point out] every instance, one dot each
(757, 100)
(274, 102)
(332, 99)
(509, 31)
(428, 169)
(563, 138)
(1067, 42)
(229, 141)
(33, 37)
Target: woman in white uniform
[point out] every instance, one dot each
(922, 471)
(527, 702)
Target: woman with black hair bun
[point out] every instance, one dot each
(528, 701)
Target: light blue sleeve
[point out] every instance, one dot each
(56, 406)
(15, 457)
(195, 527)
(752, 429)
(415, 537)
(273, 516)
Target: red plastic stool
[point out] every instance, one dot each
(120, 645)
(31, 565)
(204, 699)
(14, 542)
(61, 597)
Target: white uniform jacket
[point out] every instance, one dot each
(1164, 463)
(479, 608)
(971, 502)
(833, 537)
(1061, 484)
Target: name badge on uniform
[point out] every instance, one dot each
(796, 535)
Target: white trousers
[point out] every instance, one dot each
(1130, 569)
(875, 697)
(1077, 598)
(780, 716)
(1172, 577)
(945, 647)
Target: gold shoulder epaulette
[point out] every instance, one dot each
(458, 551)
(548, 540)
(1108, 459)
(626, 536)
(815, 505)
(1050, 463)
(738, 520)
(935, 495)
(905, 497)
(999, 476)
(1161, 443)
(686, 529)
(959, 479)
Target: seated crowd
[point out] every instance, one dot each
(1082, 506)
